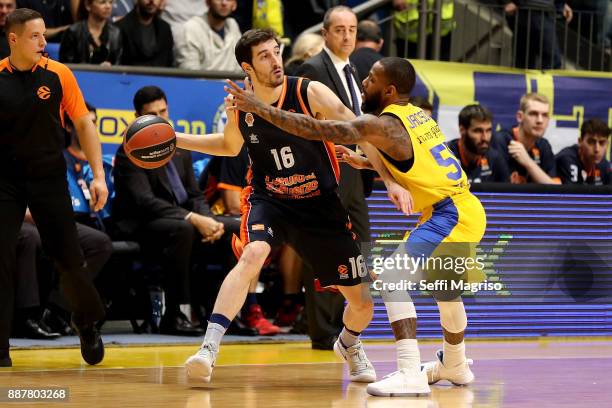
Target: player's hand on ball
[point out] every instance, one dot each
(99, 193)
(346, 155)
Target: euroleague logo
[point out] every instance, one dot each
(43, 92)
(343, 271)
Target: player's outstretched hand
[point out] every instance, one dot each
(244, 99)
(400, 197)
(99, 193)
(352, 158)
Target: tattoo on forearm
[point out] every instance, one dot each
(310, 128)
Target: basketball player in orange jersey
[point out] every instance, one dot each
(291, 198)
(413, 149)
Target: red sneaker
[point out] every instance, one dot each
(256, 320)
(287, 315)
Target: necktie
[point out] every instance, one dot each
(349, 80)
(175, 183)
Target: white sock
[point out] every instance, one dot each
(454, 354)
(348, 339)
(214, 334)
(408, 356)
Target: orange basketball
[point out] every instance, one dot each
(149, 142)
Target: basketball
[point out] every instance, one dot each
(149, 142)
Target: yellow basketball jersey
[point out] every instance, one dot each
(436, 173)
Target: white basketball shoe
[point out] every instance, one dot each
(458, 375)
(199, 366)
(402, 383)
(360, 368)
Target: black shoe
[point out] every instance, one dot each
(92, 347)
(178, 325)
(324, 344)
(31, 329)
(56, 323)
(5, 359)
(238, 328)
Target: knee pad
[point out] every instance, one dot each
(452, 316)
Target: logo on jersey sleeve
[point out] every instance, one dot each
(249, 119)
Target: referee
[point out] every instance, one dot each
(35, 93)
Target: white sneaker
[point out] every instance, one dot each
(402, 383)
(458, 375)
(360, 368)
(199, 366)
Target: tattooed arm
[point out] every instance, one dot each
(363, 128)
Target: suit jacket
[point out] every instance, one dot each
(363, 59)
(321, 68)
(143, 195)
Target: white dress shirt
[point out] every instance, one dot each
(339, 64)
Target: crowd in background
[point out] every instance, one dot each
(183, 221)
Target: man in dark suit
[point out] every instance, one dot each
(367, 49)
(332, 68)
(165, 211)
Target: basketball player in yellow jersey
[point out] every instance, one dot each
(413, 149)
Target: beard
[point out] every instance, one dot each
(215, 14)
(371, 103)
(473, 147)
(269, 81)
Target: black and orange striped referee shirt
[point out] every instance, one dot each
(32, 108)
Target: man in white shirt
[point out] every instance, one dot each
(209, 40)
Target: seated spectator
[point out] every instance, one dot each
(93, 40)
(56, 13)
(367, 48)
(177, 13)
(305, 46)
(80, 175)
(481, 163)
(6, 7)
(529, 155)
(147, 39)
(165, 211)
(584, 163)
(422, 103)
(209, 40)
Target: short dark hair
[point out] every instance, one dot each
(400, 73)
(329, 12)
(368, 30)
(19, 17)
(421, 102)
(248, 40)
(474, 111)
(594, 127)
(147, 94)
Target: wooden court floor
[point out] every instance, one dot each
(540, 373)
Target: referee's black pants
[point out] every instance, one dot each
(51, 209)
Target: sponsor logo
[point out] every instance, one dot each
(249, 119)
(254, 138)
(258, 227)
(43, 92)
(270, 231)
(343, 272)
